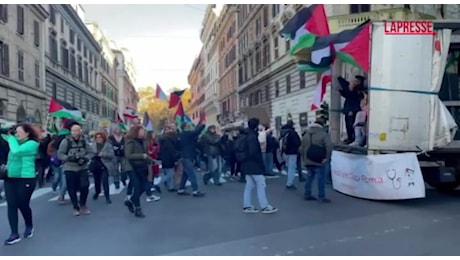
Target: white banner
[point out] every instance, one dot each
(378, 177)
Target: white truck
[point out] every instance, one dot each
(414, 103)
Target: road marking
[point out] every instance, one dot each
(37, 193)
(67, 195)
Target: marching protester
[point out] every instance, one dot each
(153, 148)
(169, 157)
(290, 147)
(43, 160)
(213, 151)
(188, 139)
(21, 178)
(101, 165)
(249, 154)
(316, 150)
(137, 166)
(75, 153)
(117, 141)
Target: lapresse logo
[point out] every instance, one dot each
(417, 27)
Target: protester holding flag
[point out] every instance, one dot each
(353, 93)
(188, 142)
(169, 155)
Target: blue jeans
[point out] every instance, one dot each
(214, 169)
(169, 177)
(258, 182)
(291, 162)
(59, 180)
(189, 174)
(320, 171)
(268, 161)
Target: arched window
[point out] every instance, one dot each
(38, 116)
(21, 114)
(2, 109)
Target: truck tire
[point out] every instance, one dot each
(444, 187)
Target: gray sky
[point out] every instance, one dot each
(163, 39)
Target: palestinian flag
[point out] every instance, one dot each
(64, 110)
(130, 113)
(320, 91)
(120, 123)
(303, 29)
(175, 98)
(160, 94)
(320, 56)
(147, 122)
(353, 46)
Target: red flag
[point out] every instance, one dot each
(179, 111)
(202, 117)
(175, 98)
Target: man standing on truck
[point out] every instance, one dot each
(352, 92)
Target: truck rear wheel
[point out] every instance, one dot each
(444, 187)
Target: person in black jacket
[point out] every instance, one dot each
(253, 167)
(290, 147)
(353, 93)
(169, 157)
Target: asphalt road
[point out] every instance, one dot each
(215, 225)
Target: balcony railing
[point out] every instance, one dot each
(349, 21)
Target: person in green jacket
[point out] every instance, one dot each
(21, 180)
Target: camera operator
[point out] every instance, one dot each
(75, 153)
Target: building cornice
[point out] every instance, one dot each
(81, 25)
(40, 11)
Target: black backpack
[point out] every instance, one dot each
(315, 153)
(240, 148)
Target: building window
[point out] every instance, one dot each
(302, 79)
(85, 74)
(276, 47)
(73, 62)
(53, 48)
(20, 66)
(258, 26)
(258, 60)
(62, 24)
(288, 84)
(265, 15)
(64, 56)
(267, 93)
(356, 9)
(52, 15)
(78, 44)
(37, 74)
(36, 33)
(71, 36)
(20, 16)
(277, 89)
(266, 54)
(4, 13)
(85, 52)
(4, 59)
(275, 10)
(80, 68)
(288, 45)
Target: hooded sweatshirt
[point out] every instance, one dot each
(317, 135)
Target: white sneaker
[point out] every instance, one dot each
(152, 198)
(269, 210)
(250, 209)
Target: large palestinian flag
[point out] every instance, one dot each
(353, 46)
(303, 29)
(175, 98)
(64, 110)
(350, 46)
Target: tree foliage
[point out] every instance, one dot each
(158, 109)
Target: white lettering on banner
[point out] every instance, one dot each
(378, 177)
